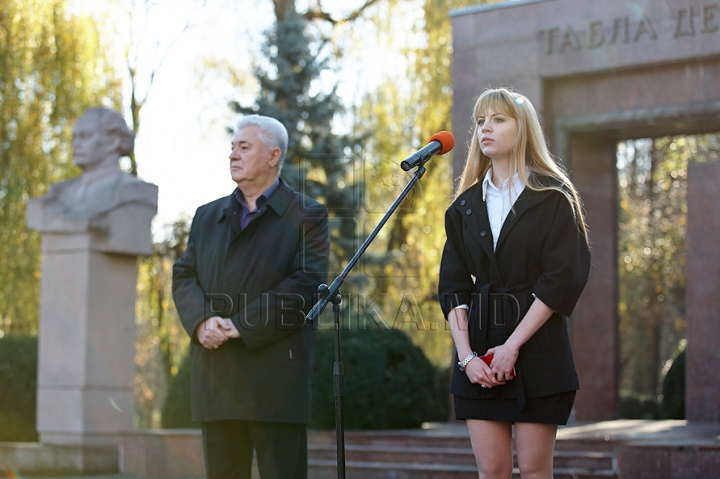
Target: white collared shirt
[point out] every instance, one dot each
(499, 202)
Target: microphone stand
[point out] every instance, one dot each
(331, 294)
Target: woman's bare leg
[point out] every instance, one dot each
(492, 446)
(535, 445)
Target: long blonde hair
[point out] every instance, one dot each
(530, 151)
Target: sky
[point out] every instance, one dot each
(183, 144)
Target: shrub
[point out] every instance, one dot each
(176, 413)
(18, 388)
(442, 394)
(672, 404)
(388, 382)
(638, 406)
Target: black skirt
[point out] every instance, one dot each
(553, 409)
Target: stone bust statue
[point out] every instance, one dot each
(114, 206)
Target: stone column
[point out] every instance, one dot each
(593, 324)
(702, 280)
(86, 347)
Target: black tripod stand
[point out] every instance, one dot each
(331, 294)
(440, 143)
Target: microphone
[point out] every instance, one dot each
(440, 143)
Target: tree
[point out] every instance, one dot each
(161, 340)
(54, 67)
(146, 31)
(141, 72)
(652, 179)
(317, 162)
(402, 115)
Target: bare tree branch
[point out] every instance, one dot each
(137, 101)
(319, 14)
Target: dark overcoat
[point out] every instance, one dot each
(265, 279)
(540, 252)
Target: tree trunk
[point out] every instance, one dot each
(283, 8)
(654, 284)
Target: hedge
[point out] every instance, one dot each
(18, 388)
(388, 383)
(672, 404)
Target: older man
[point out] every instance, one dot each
(253, 262)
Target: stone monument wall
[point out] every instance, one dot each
(598, 72)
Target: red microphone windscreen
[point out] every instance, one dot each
(446, 140)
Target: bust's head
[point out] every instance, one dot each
(100, 138)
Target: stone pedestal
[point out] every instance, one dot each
(18, 459)
(163, 453)
(86, 347)
(702, 381)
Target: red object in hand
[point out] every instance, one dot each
(488, 359)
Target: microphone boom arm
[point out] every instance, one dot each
(329, 292)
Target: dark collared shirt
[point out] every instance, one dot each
(246, 216)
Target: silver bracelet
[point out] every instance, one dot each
(465, 361)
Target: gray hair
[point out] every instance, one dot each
(113, 124)
(271, 132)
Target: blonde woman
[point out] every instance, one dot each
(515, 262)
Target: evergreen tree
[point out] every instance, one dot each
(403, 119)
(317, 162)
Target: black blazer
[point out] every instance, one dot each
(540, 252)
(265, 279)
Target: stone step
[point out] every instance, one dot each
(402, 454)
(586, 445)
(596, 460)
(592, 460)
(413, 438)
(622, 448)
(388, 454)
(323, 469)
(326, 469)
(390, 438)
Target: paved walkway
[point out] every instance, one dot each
(642, 431)
(667, 431)
(107, 476)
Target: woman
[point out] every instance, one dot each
(514, 265)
